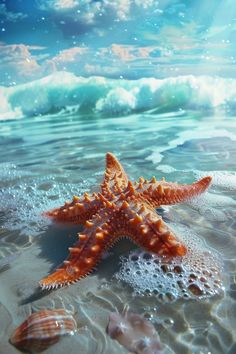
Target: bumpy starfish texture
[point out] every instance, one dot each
(122, 208)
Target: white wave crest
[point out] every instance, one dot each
(63, 91)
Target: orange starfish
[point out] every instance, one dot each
(121, 209)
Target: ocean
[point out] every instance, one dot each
(54, 135)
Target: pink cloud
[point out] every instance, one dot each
(123, 52)
(71, 59)
(17, 63)
(144, 52)
(70, 55)
(127, 52)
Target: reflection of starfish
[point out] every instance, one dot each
(121, 209)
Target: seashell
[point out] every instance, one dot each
(42, 329)
(135, 333)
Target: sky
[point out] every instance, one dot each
(126, 39)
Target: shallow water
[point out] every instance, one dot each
(44, 160)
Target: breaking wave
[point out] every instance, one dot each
(65, 92)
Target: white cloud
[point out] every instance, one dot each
(18, 64)
(119, 9)
(66, 4)
(71, 59)
(126, 52)
(36, 47)
(90, 12)
(123, 52)
(58, 5)
(70, 55)
(101, 70)
(145, 3)
(11, 16)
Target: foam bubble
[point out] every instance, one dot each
(221, 179)
(213, 205)
(196, 275)
(9, 172)
(23, 203)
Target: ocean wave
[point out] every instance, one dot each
(65, 92)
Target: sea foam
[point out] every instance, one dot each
(24, 197)
(196, 275)
(63, 91)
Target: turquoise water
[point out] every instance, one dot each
(47, 158)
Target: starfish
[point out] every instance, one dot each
(121, 209)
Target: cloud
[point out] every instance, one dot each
(18, 64)
(58, 5)
(119, 60)
(101, 70)
(36, 47)
(89, 12)
(122, 52)
(11, 16)
(70, 55)
(71, 59)
(127, 52)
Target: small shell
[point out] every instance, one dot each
(135, 333)
(42, 329)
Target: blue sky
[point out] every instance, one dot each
(116, 38)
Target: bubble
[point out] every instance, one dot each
(148, 316)
(168, 322)
(196, 275)
(23, 199)
(222, 179)
(195, 289)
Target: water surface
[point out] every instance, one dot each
(45, 159)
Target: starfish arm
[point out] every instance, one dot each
(98, 235)
(78, 210)
(147, 229)
(165, 193)
(115, 179)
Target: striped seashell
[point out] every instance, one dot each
(42, 329)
